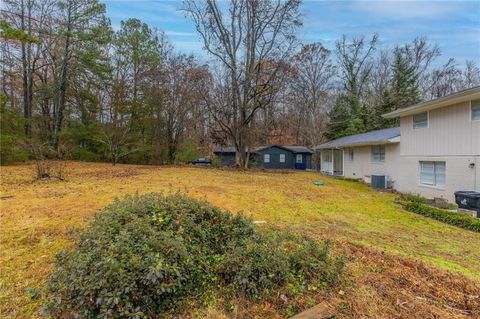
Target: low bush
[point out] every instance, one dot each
(82, 154)
(456, 219)
(413, 198)
(148, 256)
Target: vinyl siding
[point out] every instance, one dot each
(404, 171)
(450, 132)
(362, 166)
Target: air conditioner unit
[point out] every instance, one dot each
(379, 181)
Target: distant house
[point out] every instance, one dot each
(435, 151)
(273, 156)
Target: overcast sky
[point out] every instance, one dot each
(453, 25)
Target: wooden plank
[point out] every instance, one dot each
(320, 311)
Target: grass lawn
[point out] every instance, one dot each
(35, 223)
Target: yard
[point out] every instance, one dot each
(398, 262)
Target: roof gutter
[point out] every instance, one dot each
(389, 141)
(455, 98)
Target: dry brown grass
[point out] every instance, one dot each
(400, 265)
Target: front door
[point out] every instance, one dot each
(299, 162)
(338, 162)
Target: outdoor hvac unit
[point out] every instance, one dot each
(379, 181)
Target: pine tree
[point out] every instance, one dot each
(405, 90)
(340, 117)
(387, 104)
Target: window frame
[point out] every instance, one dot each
(266, 158)
(381, 158)
(471, 110)
(282, 158)
(435, 177)
(297, 157)
(427, 121)
(351, 154)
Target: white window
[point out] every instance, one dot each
(432, 173)
(420, 120)
(299, 158)
(378, 153)
(476, 110)
(282, 158)
(350, 154)
(266, 158)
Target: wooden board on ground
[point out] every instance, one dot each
(320, 311)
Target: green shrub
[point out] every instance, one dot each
(187, 152)
(456, 219)
(216, 162)
(150, 255)
(82, 154)
(413, 198)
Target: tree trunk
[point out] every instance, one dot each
(27, 107)
(63, 79)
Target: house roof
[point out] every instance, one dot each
(293, 149)
(454, 98)
(224, 149)
(385, 136)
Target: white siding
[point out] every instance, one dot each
(362, 166)
(450, 132)
(404, 171)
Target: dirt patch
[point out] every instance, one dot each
(388, 286)
(114, 173)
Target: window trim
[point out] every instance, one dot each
(471, 111)
(428, 121)
(372, 156)
(435, 184)
(266, 158)
(297, 157)
(351, 155)
(280, 157)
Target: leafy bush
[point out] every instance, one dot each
(216, 162)
(187, 152)
(82, 154)
(456, 219)
(413, 198)
(150, 255)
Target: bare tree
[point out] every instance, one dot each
(355, 63)
(310, 83)
(251, 40)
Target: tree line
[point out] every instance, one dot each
(73, 87)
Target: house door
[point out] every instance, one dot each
(326, 164)
(338, 162)
(299, 164)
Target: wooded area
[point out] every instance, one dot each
(73, 87)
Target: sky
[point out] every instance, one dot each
(453, 25)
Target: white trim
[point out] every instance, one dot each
(428, 121)
(265, 156)
(455, 98)
(471, 112)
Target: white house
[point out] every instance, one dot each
(434, 153)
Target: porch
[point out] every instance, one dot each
(331, 161)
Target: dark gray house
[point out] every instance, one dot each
(273, 156)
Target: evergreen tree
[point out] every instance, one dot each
(340, 118)
(405, 89)
(386, 105)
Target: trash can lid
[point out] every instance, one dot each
(469, 194)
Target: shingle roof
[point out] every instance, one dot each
(370, 138)
(294, 149)
(224, 149)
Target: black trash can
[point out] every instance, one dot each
(468, 200)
